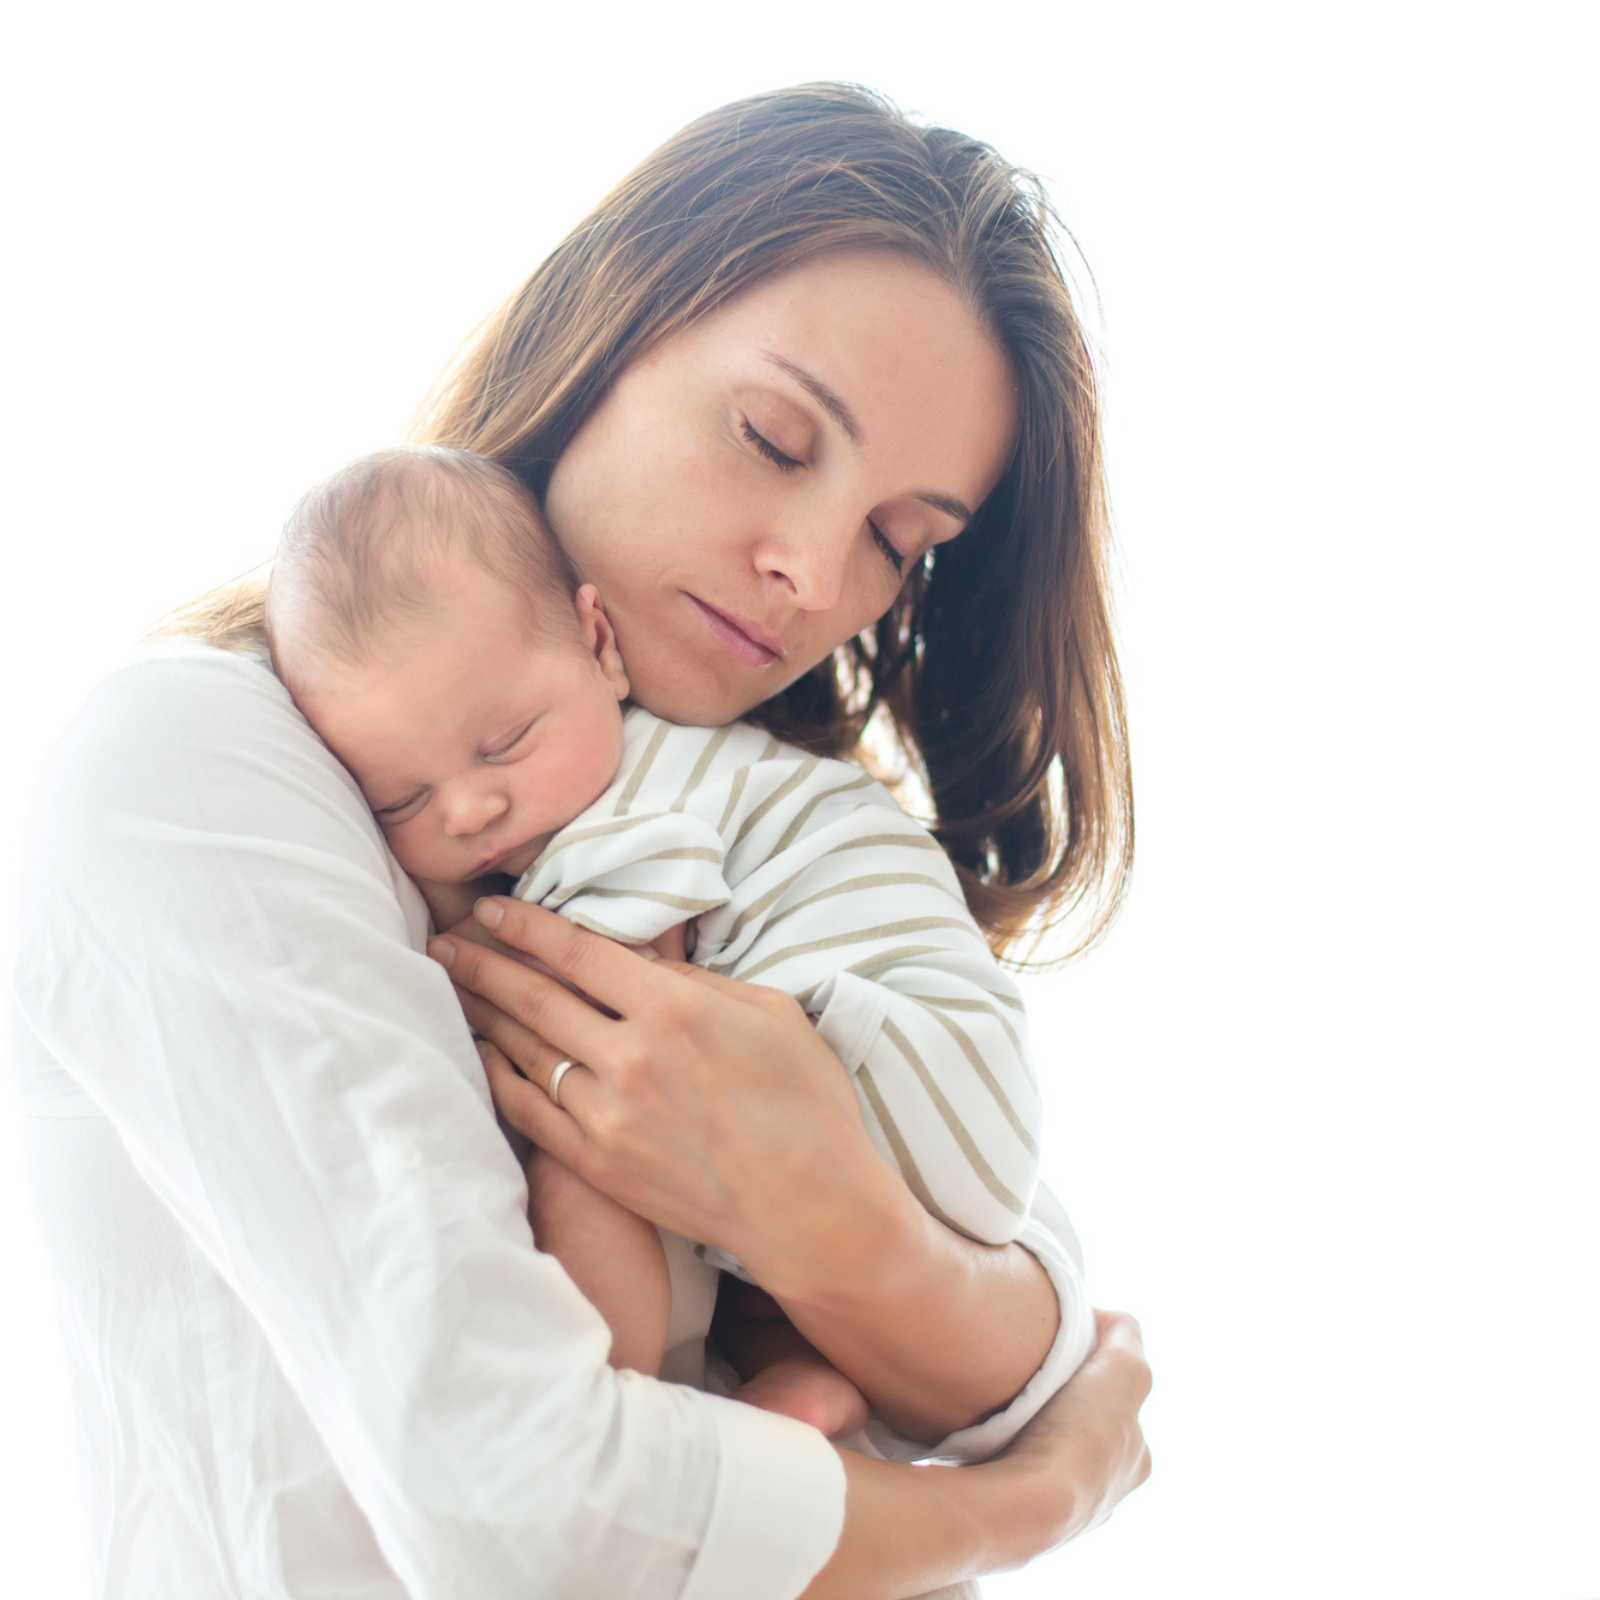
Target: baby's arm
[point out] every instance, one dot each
(614, 1257)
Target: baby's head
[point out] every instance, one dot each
(429, 627)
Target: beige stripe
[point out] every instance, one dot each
(803, 815)
(778, 890)
(802, 771)
(902, 1152)
(703, 765)
(678, 902)
(890, 958)
(973, 1005)
(912, 841)
(868, 880)
(651, 750)
(944, 1002)
(595, 830)
(682, 852)
(735, 790)
(594, 925)
(762, 901)
(958, 1131)
(990, 1082)
(838, 941)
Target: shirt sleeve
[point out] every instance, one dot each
(215, 945)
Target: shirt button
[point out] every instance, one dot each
(405, 1156)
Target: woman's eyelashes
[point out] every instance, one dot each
(787, 463)
(887, 550)
(765, 447)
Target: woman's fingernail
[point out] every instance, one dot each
(442, 950)
(489, 912)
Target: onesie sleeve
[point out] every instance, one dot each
(631, 877)
(857, 913)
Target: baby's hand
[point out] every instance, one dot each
(671, 945)
(449, 903)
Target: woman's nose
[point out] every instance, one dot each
(468, 811)
(810, 563)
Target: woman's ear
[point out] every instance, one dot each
(601, 639)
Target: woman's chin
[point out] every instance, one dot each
(696, 701)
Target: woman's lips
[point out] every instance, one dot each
(752, 645)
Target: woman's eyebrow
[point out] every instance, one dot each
(947, 503)
(846, 418)
(822, 394)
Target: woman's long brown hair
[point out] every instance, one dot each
(997, 664)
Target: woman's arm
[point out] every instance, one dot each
(911, 1529)
(712, 1108)
(216, 947)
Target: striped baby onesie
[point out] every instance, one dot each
(804, 874)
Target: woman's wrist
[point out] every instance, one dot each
(909, 1530)
(860, 1229)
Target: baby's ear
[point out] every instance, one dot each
(601, 638)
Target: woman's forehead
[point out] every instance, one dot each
(884, 347)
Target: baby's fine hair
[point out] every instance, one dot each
(355, 554)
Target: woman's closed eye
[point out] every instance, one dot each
(787, 463)
(765, 447)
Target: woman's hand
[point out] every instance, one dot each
(911, 1529)
(1089, 1434)
(712, 1108)
(707, 1105)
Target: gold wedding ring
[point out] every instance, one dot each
(553, 1088)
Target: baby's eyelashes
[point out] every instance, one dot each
(401, 810)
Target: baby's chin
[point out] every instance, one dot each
(513, 866)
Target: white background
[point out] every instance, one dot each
(1325, 1105)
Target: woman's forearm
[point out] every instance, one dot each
(935, 1330)
(911, 1529)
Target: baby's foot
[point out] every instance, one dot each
(808, 1389)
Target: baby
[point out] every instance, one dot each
(430, 629)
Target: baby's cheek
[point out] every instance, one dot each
(601, 757)
(409, 846)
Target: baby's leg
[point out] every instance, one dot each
(782, 1371)
(613, 1256)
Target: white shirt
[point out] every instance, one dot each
(313, 1351)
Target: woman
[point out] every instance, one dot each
(803, 347)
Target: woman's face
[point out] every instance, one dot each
(750, 494)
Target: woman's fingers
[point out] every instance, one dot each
(531, 1111)
(539, 1003)
(614, 975)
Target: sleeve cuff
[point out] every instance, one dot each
(1048, 1235)
(777, 1512)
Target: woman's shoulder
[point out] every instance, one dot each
(178, 723)
(175, 687)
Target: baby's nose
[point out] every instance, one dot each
(471, 813)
